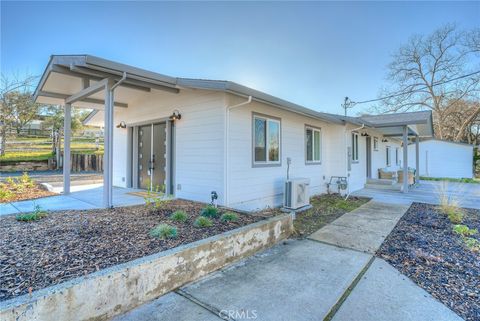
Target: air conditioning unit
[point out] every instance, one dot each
(297, 193)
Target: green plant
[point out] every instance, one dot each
(464, 230)
(164, 231)
(229, 217)
(37, 214)
(179, 216)
(210, 211)
(202, 221)
(472, 244)
(5, 194)
(455, 216)
(156, 198)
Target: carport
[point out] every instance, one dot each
(85, 81)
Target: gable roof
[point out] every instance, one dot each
(84, 67)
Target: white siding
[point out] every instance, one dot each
(199, 146)
(253, 188)
(443, 159)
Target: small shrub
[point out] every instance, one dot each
(455, 216)
(229, 217)
(202, 221)
(209, 211)
(464, 230)
(37, 214)
(5, 194)
(472, 244)
(179, 216)
(25, 181)
(164, 231)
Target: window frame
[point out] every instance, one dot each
(397, 156)
(388, 158)
(313, 129)
(355, 155)
(266, 163)
(375, 144)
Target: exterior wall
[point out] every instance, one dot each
(199, 139)
(251, 188)
(357, 176)
(443, 159)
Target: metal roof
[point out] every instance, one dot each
(83, 66)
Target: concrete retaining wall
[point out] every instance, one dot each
(106, 293)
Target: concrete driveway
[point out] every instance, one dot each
(321, 278)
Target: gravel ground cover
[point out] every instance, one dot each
(68, 244)
(326, 208)
(424, 247)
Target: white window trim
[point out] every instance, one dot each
(355, 148)
(388, 152)
(267, 119)
(313, 129)
(397, 156)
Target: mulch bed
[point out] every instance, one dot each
(15, 194)
(326, 208)
(69, 244)
(423, 247)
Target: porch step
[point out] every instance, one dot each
(391, 187)
(377, 181)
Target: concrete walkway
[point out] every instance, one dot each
(364, 228)
(308, 280)
(82, 197)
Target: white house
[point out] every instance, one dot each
(196, 136)
(440, 158)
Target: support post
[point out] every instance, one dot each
(67, 128)
(405, 159)
(417, 160)
(108, 147)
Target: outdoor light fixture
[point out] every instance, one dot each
(175, 116)
(122, 125)
(365, 134)
(384, 140)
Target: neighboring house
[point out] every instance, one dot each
(196, 136)
(441, 158)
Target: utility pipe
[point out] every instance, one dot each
(226, 146)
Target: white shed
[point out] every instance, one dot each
(440, 158)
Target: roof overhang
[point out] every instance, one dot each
(392, 125)
(65, 76)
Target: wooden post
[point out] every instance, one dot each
(417, 160)
(405, 159)
(67, 123)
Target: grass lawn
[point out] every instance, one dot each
(325, 209)
(24, 156)
(446, 179)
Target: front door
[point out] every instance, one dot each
(369, 156)
(151, 156)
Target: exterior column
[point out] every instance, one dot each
(405, 159)
(417, 160)
(67, 128)
(108, 147)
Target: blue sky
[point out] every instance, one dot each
(311, 53)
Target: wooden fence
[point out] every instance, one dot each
(86, 162)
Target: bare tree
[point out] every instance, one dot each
(15, 104)
(436, 72)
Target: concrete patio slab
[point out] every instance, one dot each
(383, 293)
(6, 209)
(53, 203)
(362, 229)
(301, 280)
(170, 307)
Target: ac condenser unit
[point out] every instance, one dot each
(296, 193)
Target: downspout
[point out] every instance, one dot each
(226, 146)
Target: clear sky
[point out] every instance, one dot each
(310, 53)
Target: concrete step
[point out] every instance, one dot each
(377, 181)
(393, 187)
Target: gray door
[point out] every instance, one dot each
(151, 156)
(369, 156)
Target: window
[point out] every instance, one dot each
(375, 143)
(397, 156)
(355, 147)
(388, 155)
(313, 145)
(266, 140)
